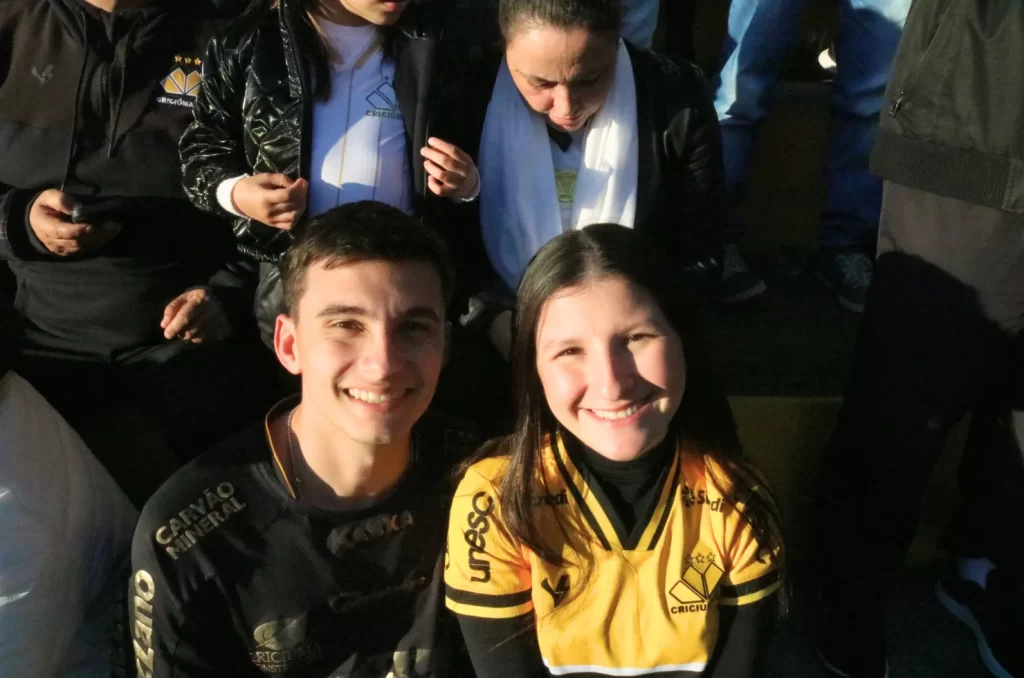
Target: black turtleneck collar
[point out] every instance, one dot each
(628, 485)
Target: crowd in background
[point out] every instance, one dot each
(379, 324)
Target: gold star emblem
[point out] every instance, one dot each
(177, 59)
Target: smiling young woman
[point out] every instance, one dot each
(620, 526)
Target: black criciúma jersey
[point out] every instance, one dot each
(233, 577)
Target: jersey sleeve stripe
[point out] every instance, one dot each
(752, 586)
(487, 599)
(489, 612)
(752, 591)
(751, 598)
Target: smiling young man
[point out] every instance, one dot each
(311, 544)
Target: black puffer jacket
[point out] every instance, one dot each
(954, 123)
(255, 107)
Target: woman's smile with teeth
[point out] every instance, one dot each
(612, 415)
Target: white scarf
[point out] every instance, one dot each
(519, 210)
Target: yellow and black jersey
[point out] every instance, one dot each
(637, 603)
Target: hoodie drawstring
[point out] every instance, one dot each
(120, 57)
(77, 104)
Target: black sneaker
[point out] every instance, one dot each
(848, 272)
(738, 284)
(850, 645)
(993, 614)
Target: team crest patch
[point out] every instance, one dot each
(281, 645)
(699, 583)
(181, 86)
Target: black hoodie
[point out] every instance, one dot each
(94, 103)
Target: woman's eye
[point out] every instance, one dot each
(640, 336)
(568, 352)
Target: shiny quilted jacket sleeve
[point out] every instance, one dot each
(212, 148)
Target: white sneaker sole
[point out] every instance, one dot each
(843, 301)
(963, 613)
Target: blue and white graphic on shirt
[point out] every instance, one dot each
(359, 144)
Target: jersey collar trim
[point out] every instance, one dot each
(608, 530)
(278, 410)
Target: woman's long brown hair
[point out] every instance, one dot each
(703, 424)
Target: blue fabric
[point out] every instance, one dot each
(760, 35)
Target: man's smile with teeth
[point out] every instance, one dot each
(372, 398)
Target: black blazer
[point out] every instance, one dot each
(681, 181)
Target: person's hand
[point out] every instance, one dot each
(451, 172)
(500, 333)
(50, 219)
(272, 199)
(197, 316)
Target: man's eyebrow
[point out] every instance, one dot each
(422, 312)
(341, 309)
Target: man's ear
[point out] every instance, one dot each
(286, 344)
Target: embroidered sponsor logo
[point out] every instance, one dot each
(698, 585)
(198, 519)
(700, 498)
(45, 76)
(371, 529)
(479, 524)
(560, 499)
(281, 645)
(565, 186)
(559, 591)
(281, 634)
(181, 86)
(142, 622)
(384, 100)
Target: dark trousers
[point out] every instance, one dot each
(940, 338)
(152, 409)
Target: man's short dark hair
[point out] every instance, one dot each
(362, 231)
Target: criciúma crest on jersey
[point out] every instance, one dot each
(181, 86)
(698, 584)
